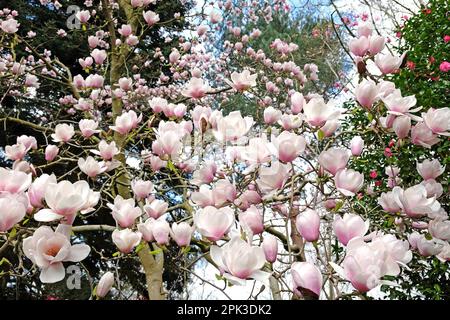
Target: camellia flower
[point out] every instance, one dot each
(214, 223)
(105, 284)
(13, 208)
(126, 239)
(239, 261)
(48, 250)
(91, 167)
(307, 279)
(156, 208)
(308, 225)
(334, 159)
(356, 146)
(414, 201)
(349, 227)
(14, 181)
(64, 199)
(430, 169)
(63, 132)
(270, 247)
(252, 219)
(438, 120)
(182, 233)
(195, 88)
(124, 211)
(289, 146)
(317, 112)
(232, 127)
(242, 81)
(348, 181)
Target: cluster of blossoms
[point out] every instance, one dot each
(247, 185)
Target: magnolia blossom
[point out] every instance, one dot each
(242, 81)
(28, 141)
(16, 151)
(289, 146)
(414, 201)
(257, 151)
(195, 88)
(366, 93)
(430, 169)
(63, 132)
(9, 26)
(252, 219)
(348, 181)
(214, 223)
(126, 122)
(124, 211)
(271, 115)
(232, 127)
(156, 208)
(398, 105)
(238, 261)
(83, 16)
(308, 225)
(88, 127)
(290, 121)
(106, 150)
(423, 136)
(99, 56)
(48, 250)
(105, 284)
(13, 208)
(349, 227)
(429, 247)
(440, 229)
(401, 126)
(334, 159)
(356, 146)
(270, 247)
(389, 203)
(359, 46)
(51, 151)
(126, 239)
(307, 279)
(141, 188)
(388, 63)
(161, 231)
(182, 233)
(36, 192)
(64, 200)
(91, 167)
(438, 120)
(317, 112)
(14, 181)
(272, 178)
(150, 17)
(297, 102)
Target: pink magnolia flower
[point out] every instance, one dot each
(150, 17)
(430, 169)
(434, 189)
(94, 81)
(158, 104)
(83, 16)
(126, 239)
(88, 127)
(330, 127)
(430, 247)
(401, 126)
(182, 233)
(9, 26)
(297, 102)
(272, 178)
(388, 63)
(289, 146)
(232, 127)
(51, 151)
(13, 208)
(376, 44)
(168, 143)
(252, 220)
(156, 208)
(242, 81)
(91, 167)
(125, 30)
(271, 115)
(440, 229)
(214, 223)
(334, 159)
(359, 46)
(290, 121)
(398, 105)
(308, 225)
(364, 29)
(389, 203)
(317, 112)
(205, 174)
(14, 181)
(28, 141)
(366, 93)
(356, 146)
(63, 132)
(146, 229)
(106, 150)
(414, 201)
(307, 279)
(258, 151)
(270, 247)
(105, 284)
(161, 231)
(348, 181)
(126, 122)
(124, 211)
(423, 136)
(36, 192)
(349, 227)
(438, 120)
(64, 199)
(230, 260)
(16, 151)
(141, 188)
(99, 56)
(195, 88)
(48, 250)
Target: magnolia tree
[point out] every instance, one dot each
(271, 202)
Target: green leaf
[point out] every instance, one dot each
(320, 135)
